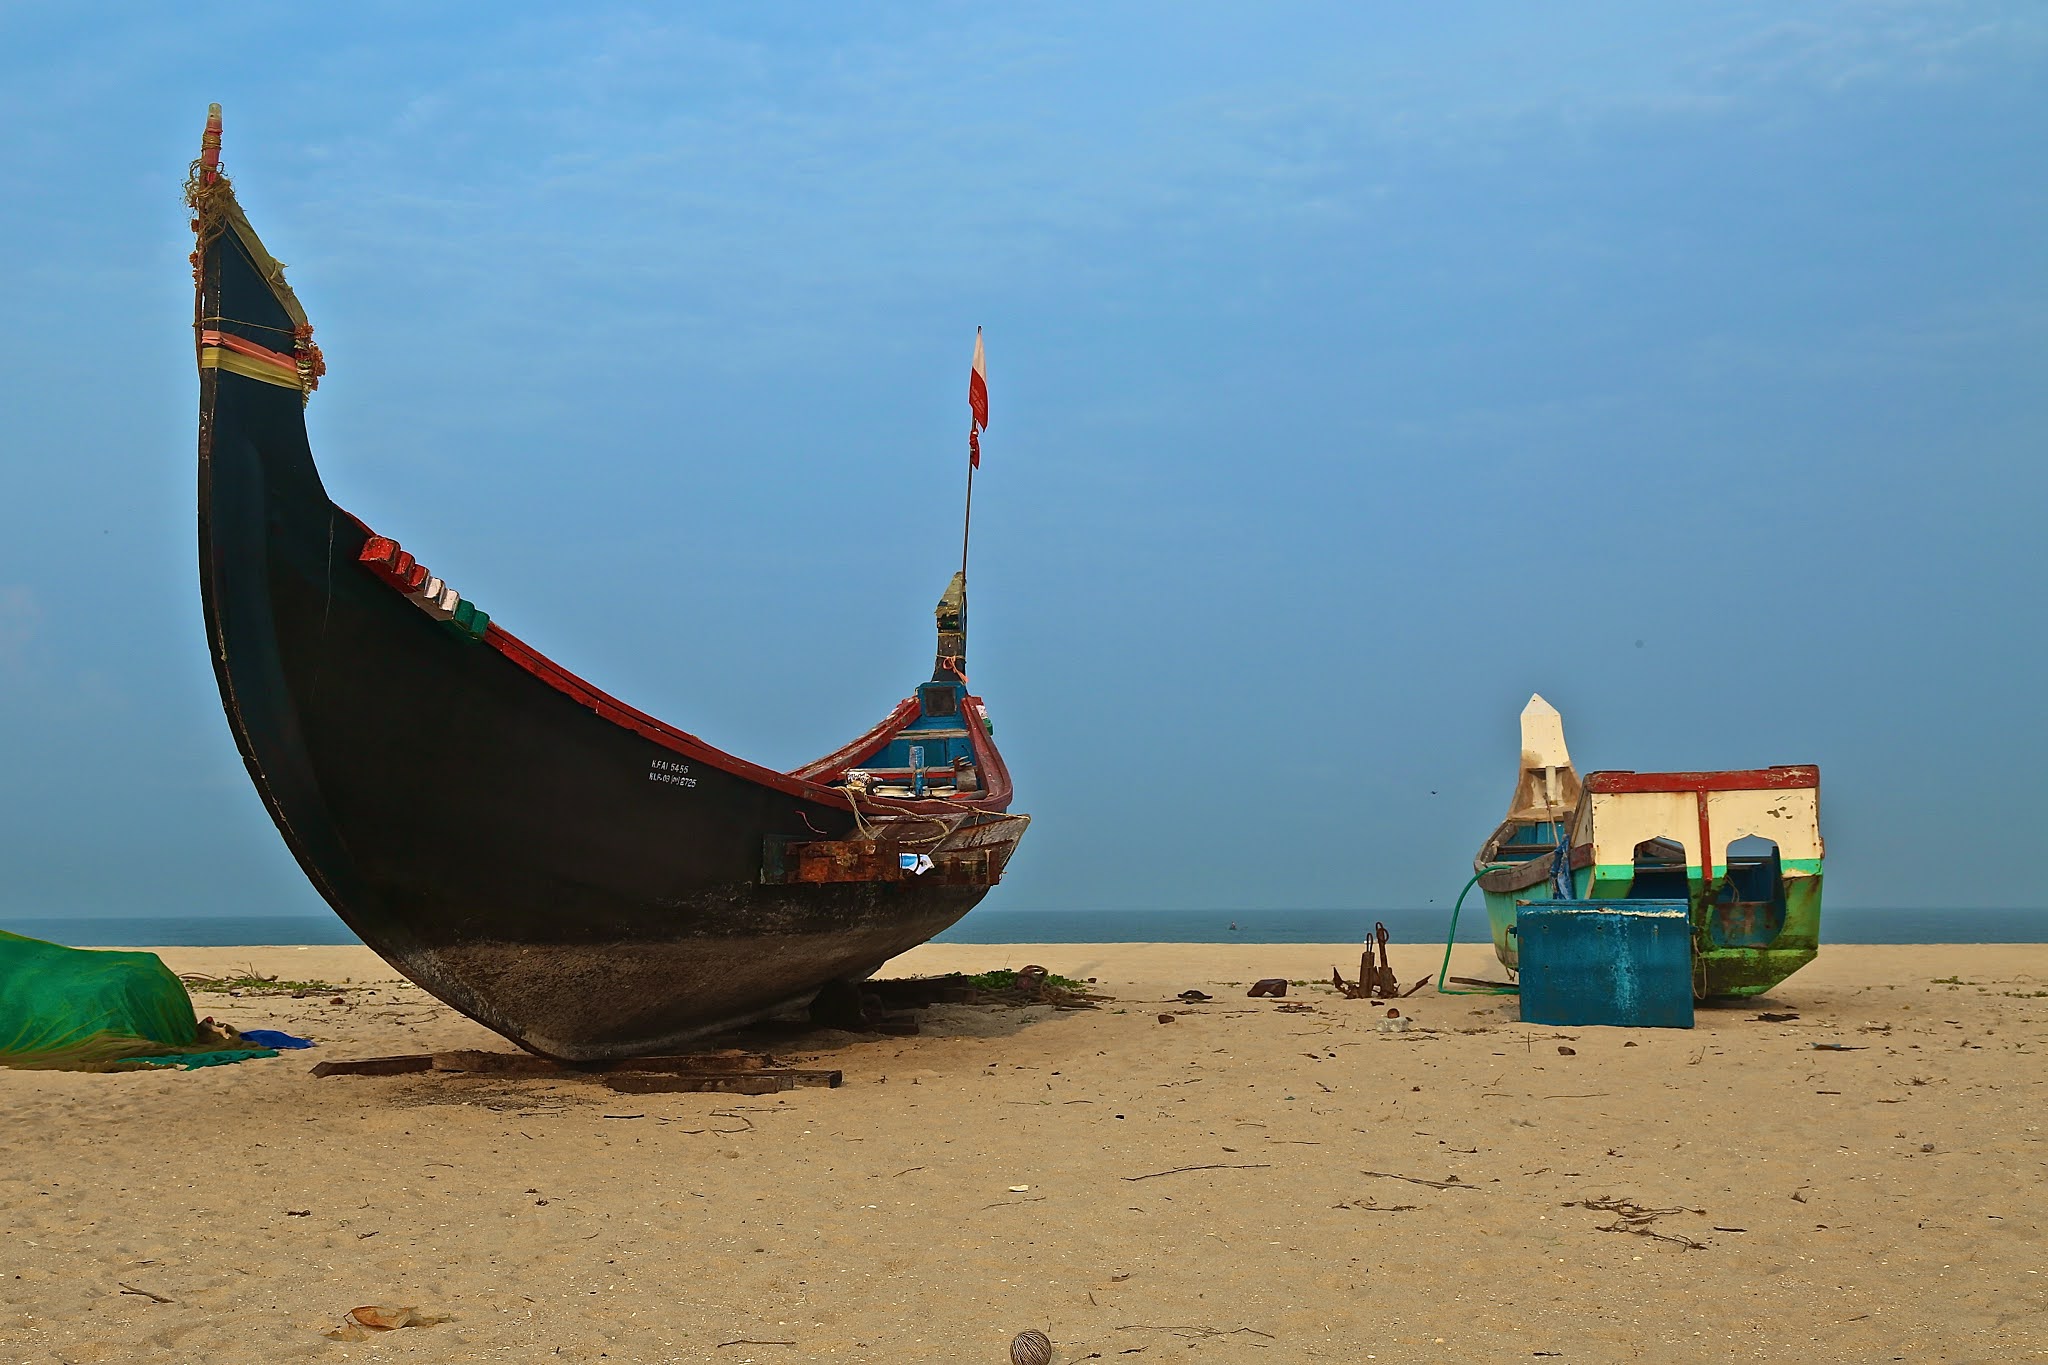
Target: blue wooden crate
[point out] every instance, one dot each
(1622, 962)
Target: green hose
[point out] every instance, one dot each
(1444, 973)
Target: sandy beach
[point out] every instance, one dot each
(1242, 1183)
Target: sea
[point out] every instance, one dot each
(1427, 925)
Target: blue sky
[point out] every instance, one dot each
(1356, 371)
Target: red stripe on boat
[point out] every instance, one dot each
(996, 775)
(228, 341)
(836, 763)
(1787, 778)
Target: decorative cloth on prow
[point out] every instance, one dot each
(222, 346)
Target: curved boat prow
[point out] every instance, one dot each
(1548, 787)
(1519, 860)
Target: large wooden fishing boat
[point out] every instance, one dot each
(566, 870)
(1741, 850)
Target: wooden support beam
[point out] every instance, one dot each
(703, 1064)
(497, 1063)
(375, 1066)
(653, 1083)
(527, 1064)
(728, 1082)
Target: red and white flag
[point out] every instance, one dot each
(977, 402)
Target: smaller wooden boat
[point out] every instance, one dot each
(1742, 849)
(1519, 861)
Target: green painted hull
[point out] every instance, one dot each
(1719, 969)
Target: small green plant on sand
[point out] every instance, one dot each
(1004, 978)
(249, 983)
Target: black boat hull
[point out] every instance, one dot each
(578, 877)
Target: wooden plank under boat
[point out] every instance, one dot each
(586, 880)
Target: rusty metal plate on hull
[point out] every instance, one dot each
(829, 861)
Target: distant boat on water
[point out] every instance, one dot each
(1741, 848)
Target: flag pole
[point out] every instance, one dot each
(977, 422)
(967, 521)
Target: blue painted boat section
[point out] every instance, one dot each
(1532, 839)
(1618, 962)
(931, 743)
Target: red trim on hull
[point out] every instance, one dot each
(228, 341)
(1751, 779)
(406, 574)
(840, 759)
(647, 727)
(397, 567)
(995, 774)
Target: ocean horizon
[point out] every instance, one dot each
(1408, 927)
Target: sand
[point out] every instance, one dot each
(1008, 1169)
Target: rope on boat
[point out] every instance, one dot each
(883, 828)
(858, 822)
(884, 823)
(948, 827)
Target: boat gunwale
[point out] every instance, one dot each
(1627, 782)
(628, 717)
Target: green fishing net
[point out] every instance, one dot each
(82, 1008)
(192, 1061)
